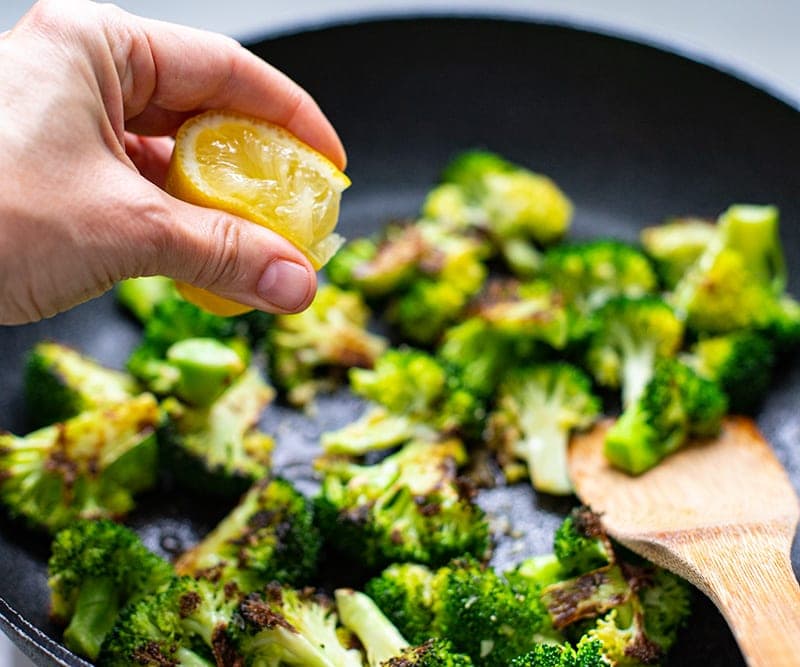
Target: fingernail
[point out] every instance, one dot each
(284, 284)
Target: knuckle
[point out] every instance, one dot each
(221, 264)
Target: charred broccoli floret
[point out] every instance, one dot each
(741, 363)
(737, 282)
(96, 568)
(537, 409)
(629, 336)
(376, 429)
(312, 350)
(140, 296)
(89, 466)
(269, 536)
(185, 624)
(677, 244)
(61, 382)
(675, 404)
(432, 653)
(288, 627)
(219, 448)
(580, 544)
(590, 273)
(409, 507)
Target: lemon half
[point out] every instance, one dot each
(261, 172)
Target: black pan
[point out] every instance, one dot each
(632, 133)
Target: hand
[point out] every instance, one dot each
(89, 96)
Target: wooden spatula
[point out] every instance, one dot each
(719, 513)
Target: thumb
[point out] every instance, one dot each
(233, 258)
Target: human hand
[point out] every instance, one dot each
(89, 96)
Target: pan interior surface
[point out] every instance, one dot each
(631, 133)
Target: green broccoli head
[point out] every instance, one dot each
(676, 245)
(61, 382)
(581, 544)
(518, 204)
(186, 623)
(450, 206)
(629, 336)
(740, 362)
(485, 616)
(89, 466)
(311, 351)
(590, 273)
(269, 536)
(423, 312)
(783, 326)
(219, 448)
(404, 593)
(538, 407)
(287, 627)
(432, 653)
(547, 655)
(95, 569)
(411, 506)
(675, 404)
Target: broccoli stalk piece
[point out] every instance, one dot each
(737, 282)
(629, 336)
(312, 350)
(269, 536)
(376, 429)
(184, 624)
(61, 382)
(89, 466)
(590, 273)
(741, 363)
(381, 640)
(96, 568)
(676, 245)
(206, 367)
(538, 408)
(288, 627)
(409, 507)
(219, 448)
(580, 543)
(676, 403)
(140, 296)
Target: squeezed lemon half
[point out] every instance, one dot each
(261, 172)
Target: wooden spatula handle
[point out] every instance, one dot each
(752, 583)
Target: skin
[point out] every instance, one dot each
(89, 98)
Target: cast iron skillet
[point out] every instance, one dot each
(632, 133)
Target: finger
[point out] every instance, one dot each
(150, 155)
(231, 257)
(194, 70)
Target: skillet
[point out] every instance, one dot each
(632, 133)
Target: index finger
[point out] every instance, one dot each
(173, 71)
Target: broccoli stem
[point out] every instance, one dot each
(187, 658)
(95, 613)
(546, 455)
(287, 646)
(361, 615)
(637, 369)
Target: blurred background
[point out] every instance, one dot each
(756, 39)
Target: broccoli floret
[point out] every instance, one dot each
(449, 205)
(409, 507)
(537, 409)
(629, 335)
(89, 466)
(185, 624)
(95, 569)
(518, 203)
(219, 448)
(590, 273)
(677, 244)
(381, 640)
(485, 616)
(547, 655)
(61, 382)
(412, 383)
(432, 653)
(376, 429)
(738, 280)
(311, 351)
(269, 536)
(783, 327)
(676, 403)
(141, 295)
(404, 592)
(288, 627)
(741, 363)
(426, 309)
(580, 543)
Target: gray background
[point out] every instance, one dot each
(759, 39)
